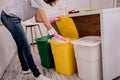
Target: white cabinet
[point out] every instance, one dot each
(110, 27)
(7, 49)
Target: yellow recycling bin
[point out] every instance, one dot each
(64, 58)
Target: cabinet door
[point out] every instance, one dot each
(116, 3)
(96, 4)
(7, 49)
(110, 32)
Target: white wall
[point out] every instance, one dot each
(107, 4)
(101, 4)
(77, 4)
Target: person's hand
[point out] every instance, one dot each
(59, 36)
(52, 19)
(55, 34)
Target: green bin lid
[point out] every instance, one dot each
(43, 39)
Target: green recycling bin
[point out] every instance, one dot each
(45, 52)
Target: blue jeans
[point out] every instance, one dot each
(13, 24)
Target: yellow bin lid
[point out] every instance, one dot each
(67, 27)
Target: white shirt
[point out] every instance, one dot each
(23, 9)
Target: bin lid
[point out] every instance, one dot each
(43, 39)
(67, 27)
(88, 41)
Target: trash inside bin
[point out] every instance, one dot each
(45, 51)
(63, 55)
(88, 57)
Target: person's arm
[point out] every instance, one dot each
(41, 17)
(38, 18)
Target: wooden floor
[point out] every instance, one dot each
(14, 72)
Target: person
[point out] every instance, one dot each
(21, 10)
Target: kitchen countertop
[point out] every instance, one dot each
(83, 13)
